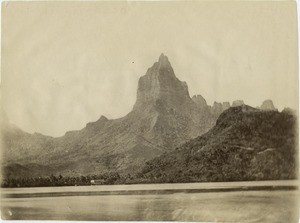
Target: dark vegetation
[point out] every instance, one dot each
(107, 178)
(245, 144)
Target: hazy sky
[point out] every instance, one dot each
(67, 63)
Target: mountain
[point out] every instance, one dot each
(267, 105)
(237, 103)
(163, 117)
(245, 144)
(17, 145)
(200, 101)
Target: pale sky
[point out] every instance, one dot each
(67, 63)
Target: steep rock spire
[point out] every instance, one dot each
(159, 86)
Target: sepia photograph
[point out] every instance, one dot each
(182, 111)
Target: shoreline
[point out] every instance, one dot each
(150, 192)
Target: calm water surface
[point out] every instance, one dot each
(235, 206)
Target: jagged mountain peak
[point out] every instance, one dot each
(161, 67)
(267, 105)
(163, 59)
(237, 103)
(226, 105)
(102, 119)
(199, 100)
(160, 84)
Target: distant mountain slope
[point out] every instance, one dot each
(245, 144)
(18, 145)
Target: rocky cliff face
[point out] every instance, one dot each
(160, 89)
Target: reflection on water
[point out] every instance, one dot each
(237, 206)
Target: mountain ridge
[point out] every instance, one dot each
(245, 144)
